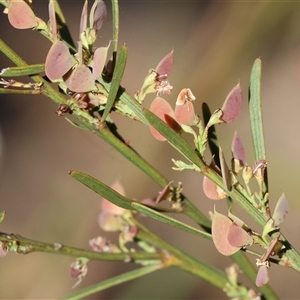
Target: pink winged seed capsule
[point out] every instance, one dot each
(165, 66)
(20, 15)
(58, 61)
(98, 14)
(232, 105)
(262, 276)
(211, 190)
(100, 56)
(238, 237)
(81, 80)
(237, 149)
(184, 109)
(163, 110)
(281, 210)
(219, 229)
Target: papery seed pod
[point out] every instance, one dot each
(81, 80)
(164, 193)
(163, 110)
(98, 14)
(58, 61)
(236, 220)
(232, 105)
(262, 276)
(20, 15)
(184, 109)
(83, 19)
(100, 56)
(212, 190)
(237, 149)
(281, 210)
(165, 66)
(238, 237)
(185, 114)
(219, 230)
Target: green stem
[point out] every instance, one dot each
(183, 260)
(22, 245)
(203, 270)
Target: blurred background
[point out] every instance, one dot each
(215, 44)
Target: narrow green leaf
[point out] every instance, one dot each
(114, 281)
(132, 103)
(115, 22)
(133, 156)
(108, 193)
(102, 189)
(255, 111)
(126, 203)
(168, 220)
(116, 81)
(174, 139)
(256, 119)
(22, 71)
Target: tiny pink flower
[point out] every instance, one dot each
(79, 269)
